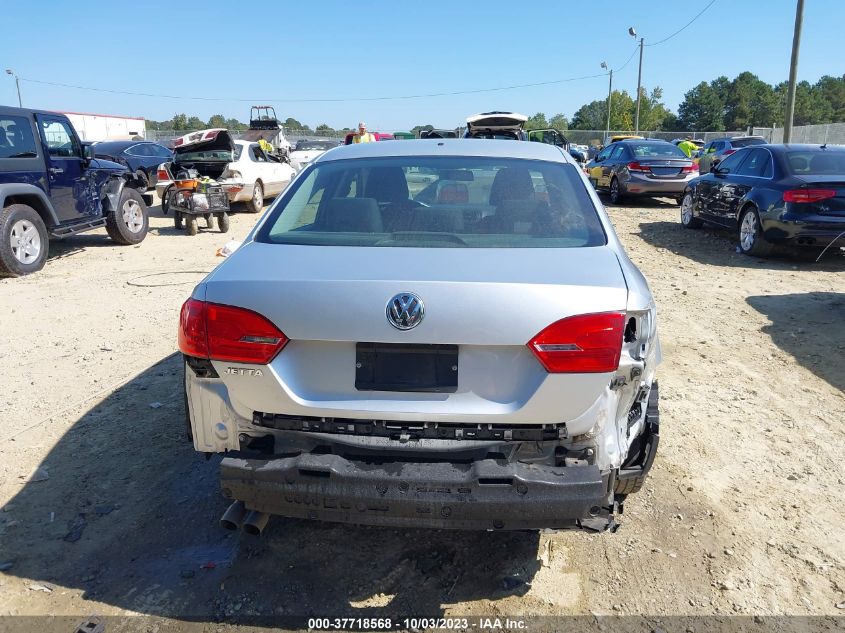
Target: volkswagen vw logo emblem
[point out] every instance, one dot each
(405, 311)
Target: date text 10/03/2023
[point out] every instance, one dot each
(390, 624)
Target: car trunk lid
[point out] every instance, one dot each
(486, 303)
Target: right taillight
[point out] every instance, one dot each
(728, 152)
(808, 195)
(228, 333)
(587, 343)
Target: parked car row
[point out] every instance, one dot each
(773, 195)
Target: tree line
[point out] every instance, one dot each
(719, 105)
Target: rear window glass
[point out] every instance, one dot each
(817, 161)
(745, 142)
(16, 140)
(647, 150)
(454, 202)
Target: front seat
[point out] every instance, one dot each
(511, 183)
(389, 186)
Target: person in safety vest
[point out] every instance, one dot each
(363, 136)
(688, 147)
(264, 145)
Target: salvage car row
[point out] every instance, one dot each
(775, 197)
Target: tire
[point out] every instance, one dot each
(223, 222)
(209, 220)
(129, 223)
(165, 199)
(177, 220)
(256, 203)
(751, 240)
(191, 225)
(143, 180)
(24, 242)
(688, 219)
(615, 192)
(623, 487)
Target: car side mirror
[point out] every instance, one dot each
(88, 152)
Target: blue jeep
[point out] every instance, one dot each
(52, 186)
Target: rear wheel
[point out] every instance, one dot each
(191, 225)
(143, 180)
(256, 203)
(128, 224)
(688, 219)
(615, 192)
(165, 198)
(23, 241)
(209, 220)
(223, 222)
(751, 240)
(177, 220)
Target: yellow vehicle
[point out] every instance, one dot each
(622, 137)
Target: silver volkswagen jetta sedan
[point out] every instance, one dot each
(441, 334)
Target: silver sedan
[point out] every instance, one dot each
(442, 334)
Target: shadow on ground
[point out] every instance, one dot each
(797, 320)
(718, 247)
(129, 516)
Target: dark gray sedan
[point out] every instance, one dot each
(641, 167)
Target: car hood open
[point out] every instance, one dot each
(214, 139)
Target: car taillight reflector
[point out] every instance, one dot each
(221, 332)
(635, 166)
(587, 343)
(689, 169)
(808, 195)
(161, 174)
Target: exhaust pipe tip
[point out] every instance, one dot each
(255, 522)
(234, 516)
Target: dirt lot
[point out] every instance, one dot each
(107, 509)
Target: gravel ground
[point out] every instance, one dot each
(107, 510)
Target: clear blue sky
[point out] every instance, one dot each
(261, 51)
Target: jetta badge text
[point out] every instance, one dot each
(405, 311)
(240, 371)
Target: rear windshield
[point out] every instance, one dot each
(313, 146)
(745, 142)
(211, 156)
(647, 150)
(816, 161)
(457, 202)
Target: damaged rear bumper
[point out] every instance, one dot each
(482, 495)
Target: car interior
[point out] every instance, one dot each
(458, 205)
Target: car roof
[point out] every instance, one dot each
(781, 147)
(118, 144)
(450, 147)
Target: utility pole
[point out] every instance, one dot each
(793, 73)
(633, 33)
(609, 93)
(9, 71)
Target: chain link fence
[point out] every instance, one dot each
(833, 133)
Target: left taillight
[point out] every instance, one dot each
(690, 169)
(228, 333)
(586, 343)
(162, 174)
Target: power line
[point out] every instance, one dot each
(633, 52)
(698, 15)
(343, 100)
